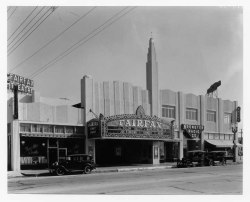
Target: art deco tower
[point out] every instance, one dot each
(152, 78)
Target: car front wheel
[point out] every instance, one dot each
(60, 171)
(87, 170)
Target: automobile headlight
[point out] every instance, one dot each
(55, 164)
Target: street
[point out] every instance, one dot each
(195, 181)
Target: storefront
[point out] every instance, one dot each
(191, 137)
(41, 144)
(129, 138)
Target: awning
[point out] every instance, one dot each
(221, 143)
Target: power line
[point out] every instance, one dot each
(61, 54)
(43, 68)
(22, 22)
(9, 8)
(56, 37)
(26, 26)
(53, 9)
(12, 13)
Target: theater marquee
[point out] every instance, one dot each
(24, 85)
(131, 126)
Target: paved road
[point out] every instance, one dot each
(204, 180)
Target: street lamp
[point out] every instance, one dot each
(234, 130)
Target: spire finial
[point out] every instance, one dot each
(151, 34)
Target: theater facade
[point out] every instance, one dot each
(120, 124)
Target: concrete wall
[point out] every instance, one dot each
(113, 98)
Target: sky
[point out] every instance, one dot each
(195, 47)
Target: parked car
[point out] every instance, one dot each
(193, 158)
(218, 157)
(75, 162)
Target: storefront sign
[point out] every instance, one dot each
(93, 128)
(140, 123)
(23, 84)
(192, 131)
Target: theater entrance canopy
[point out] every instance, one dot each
(131, 126)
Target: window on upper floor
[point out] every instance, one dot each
(48, 128)
(211, 116)
(168, 111)
(191, 114)
(25, 127)
(69, 129)
(37, 128)
(59, 129)
(227, 118)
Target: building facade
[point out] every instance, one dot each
(119, 123)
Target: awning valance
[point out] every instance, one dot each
(221, 143)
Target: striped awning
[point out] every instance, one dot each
(221, 143)
(50, 135)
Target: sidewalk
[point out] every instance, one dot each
(139, 167)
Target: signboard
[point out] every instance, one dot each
(238, 114)
(131, 126)
(24, 85)
(93, 128)
(192, 131)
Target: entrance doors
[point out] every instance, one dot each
(52, 156)
(123, 152)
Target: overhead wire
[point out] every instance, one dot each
(26, 25)
(109, 22)
(56, 37)
(22, 22)
(31, 32)
(9, 8)
(12, 13)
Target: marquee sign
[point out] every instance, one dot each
(23, 84)
(192, 131)
(128, 126)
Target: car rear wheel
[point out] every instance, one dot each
(87, 170)
(210, 163)
(60, 171)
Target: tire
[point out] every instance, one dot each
(60, 171)
(223, 162)
(210, 162)
(87, 170)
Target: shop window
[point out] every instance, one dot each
(168, 111)
(33, 147)
(211, 116)
(52, 142)
(48, 128)
(80, 130)
(227, 118)
(191, 114)
(59, 129)
(37, 128)
(25, 127)
(69, 129)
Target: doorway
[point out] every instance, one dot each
(53, 155)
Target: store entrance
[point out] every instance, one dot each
(123, 152)
(53, 155)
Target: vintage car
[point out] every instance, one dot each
(220, 157)
(193, 158)
(74, 162)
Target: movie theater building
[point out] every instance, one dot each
(118, 123)
(128, 124)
